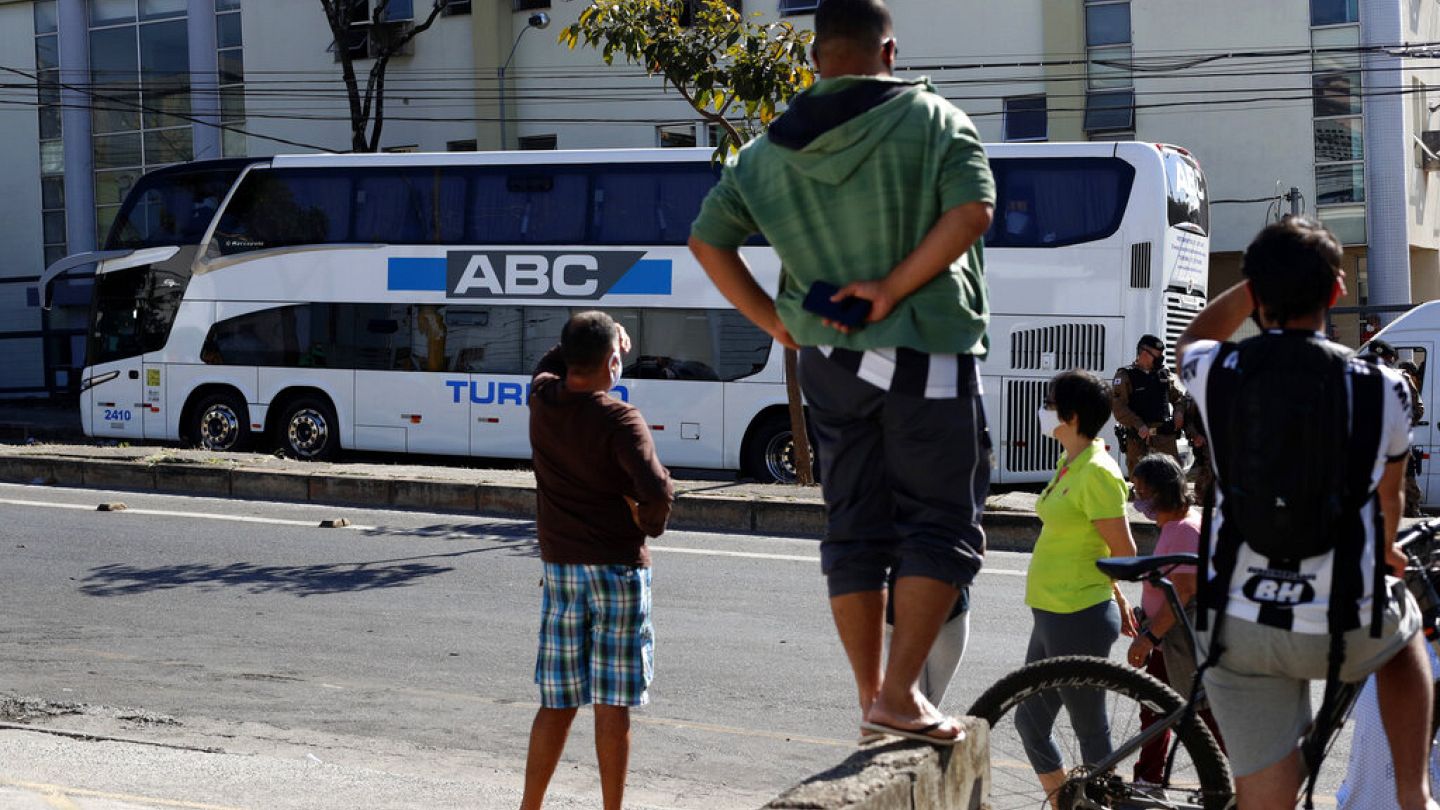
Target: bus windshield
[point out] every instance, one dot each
(1188, 204)
(171, 208)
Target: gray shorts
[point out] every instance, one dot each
(904, 480)
(1260, 689)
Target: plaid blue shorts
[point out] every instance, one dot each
(596, 642)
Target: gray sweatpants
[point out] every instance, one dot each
(1085, 632)
(904, 480)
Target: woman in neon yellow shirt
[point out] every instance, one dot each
(1077, 609)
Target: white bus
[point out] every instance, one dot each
(397, 302)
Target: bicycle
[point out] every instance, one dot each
(1197, 774)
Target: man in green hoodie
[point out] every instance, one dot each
(881, 187)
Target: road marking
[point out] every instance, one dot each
(753, 555)
(58, 800)
(177, 513)
(61, 790)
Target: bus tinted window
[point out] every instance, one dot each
(639, 204)
(170, 208)
(527, 206)
(1053, 202)
(652, 205)
(669, 344)
(279, 209)
(1188, 203)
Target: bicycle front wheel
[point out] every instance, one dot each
(1199, 779)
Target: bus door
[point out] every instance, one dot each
(114, 393)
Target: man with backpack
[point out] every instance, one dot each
(1309, 445)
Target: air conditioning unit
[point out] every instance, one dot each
(1430, 155)
(385, 37)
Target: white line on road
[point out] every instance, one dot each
(753, 555)
(47, 790)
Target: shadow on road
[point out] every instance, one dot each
(299, 580)
(320, 579)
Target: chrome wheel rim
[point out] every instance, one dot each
(219, 427)
(307, 433)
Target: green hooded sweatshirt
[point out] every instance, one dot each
(844, 186)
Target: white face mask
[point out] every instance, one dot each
(616, 366)
(1049, 421)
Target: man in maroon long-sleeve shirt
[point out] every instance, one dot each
(601, 491)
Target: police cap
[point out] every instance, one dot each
(1150, 342)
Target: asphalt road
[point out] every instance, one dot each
(389, 664)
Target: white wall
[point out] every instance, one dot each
(1244, 149)
(1422, 22)
(291, 36)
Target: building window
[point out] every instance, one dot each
(687, 14)
(1110, 111)
(1338, 129)
(470, 145)
(675, 135)
(1025, 118)
(456, 7)
(526, 5)
(798, 6)
(537, 142)
(52, 150)
(1334, 12)
(139, 57)
(1110, 93)
(231, 57)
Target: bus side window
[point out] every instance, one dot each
(533, 206)
(649, 205)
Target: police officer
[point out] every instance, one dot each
(1383, 353)
(1145, 397)
(1199, 446)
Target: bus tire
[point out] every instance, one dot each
(769, 454)
(220, 421)
(308, 430)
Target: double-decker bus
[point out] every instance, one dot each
(397, 302)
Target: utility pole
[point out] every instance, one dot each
(1293, 197)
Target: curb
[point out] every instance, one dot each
(902, 775)
(1005, 531)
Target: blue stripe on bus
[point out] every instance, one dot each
(647, 277)
(416, 274)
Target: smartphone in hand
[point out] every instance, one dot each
(850, 312)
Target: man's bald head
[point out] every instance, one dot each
(854, 37)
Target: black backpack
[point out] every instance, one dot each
(1292, 474)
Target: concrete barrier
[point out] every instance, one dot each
(902, 775)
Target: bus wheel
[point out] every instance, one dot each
(769, 455)
(309, 431)
(222, 422)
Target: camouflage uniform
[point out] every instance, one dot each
(1204, 474)
(1146, 399)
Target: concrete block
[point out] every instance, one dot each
(902, 775)
(779, 517)
(27, 470)
(270, 486)
(444, 496)
(710, 514)
(499, 499)
(119, 475)
(193, 479)
(346, 489)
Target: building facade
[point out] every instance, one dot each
(1320, 106)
